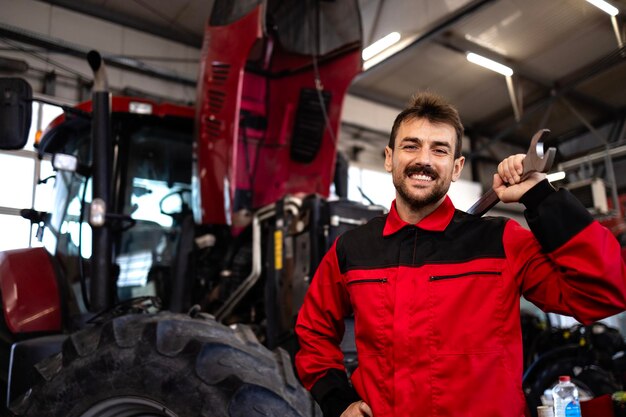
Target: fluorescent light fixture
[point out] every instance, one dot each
(489, 64)
(556, 176)
(605, 7)
(380, 45)
(389, 52)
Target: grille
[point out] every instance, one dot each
(309, 126)
(219, 73)
(216, 100)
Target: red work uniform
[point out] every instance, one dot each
(436, 305)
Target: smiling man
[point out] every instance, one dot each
(425, 160)
(435, 291)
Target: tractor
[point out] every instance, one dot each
(182, 240)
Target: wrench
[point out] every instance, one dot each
(536, 160)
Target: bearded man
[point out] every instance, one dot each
(435, 291)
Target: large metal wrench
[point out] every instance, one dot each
(536, 161)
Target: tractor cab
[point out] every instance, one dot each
(151, 189)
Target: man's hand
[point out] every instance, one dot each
(358, 409)
(507, 183)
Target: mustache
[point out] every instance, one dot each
(420, 169)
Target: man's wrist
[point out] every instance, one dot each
(554, 217)
(333, 393)
(539, 192)
(335, 404)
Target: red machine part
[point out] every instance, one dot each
(248, 77)
(277, 173)
(30, 294)
(217, 116)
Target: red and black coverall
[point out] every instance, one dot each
(436, 305)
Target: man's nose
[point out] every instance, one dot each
(422, 156)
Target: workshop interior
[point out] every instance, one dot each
(173, 172)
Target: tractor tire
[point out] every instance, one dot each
(166, 364)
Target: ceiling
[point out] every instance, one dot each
(569, 70)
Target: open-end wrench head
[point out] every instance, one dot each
(536, 143)
(536, 159)
(548, 160)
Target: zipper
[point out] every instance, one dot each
(465, 274)
(368, 281)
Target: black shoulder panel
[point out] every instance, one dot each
(467, 237)
(364, 247)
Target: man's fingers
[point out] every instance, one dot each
(365, 409)
(504, 171)
(358, 409)
(498, 183)
(511, 168)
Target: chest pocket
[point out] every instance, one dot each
(465, 312)
(371, 297)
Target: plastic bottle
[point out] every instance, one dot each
(565, 396)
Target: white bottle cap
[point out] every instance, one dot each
(545, 411)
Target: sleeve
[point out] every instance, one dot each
(320, 328)
(569, 264)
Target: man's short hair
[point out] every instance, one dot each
(434, 109)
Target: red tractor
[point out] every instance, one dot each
(184, 241)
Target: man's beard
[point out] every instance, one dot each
(419, 202)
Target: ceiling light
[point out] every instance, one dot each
(605, 7)
(380, 45)
(489, 64)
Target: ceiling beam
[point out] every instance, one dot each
(562, 87)
(68, 48)
(96, 10)
(435, 29)
(580, 130)
(461, 45)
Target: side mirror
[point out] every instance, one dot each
(15, 112)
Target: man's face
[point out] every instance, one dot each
(422, 162)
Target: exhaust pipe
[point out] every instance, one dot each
(102, 283)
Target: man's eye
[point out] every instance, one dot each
(441, 151)
(409, 147)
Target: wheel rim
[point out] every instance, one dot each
(128, 406)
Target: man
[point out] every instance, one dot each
(435, 291)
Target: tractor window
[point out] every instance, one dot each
(159, 166)
(71, 191)
(67, 234)
(72, 232)
(157, 182)
(146, 198)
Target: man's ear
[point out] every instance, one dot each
(388, 159)
(458, 167)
